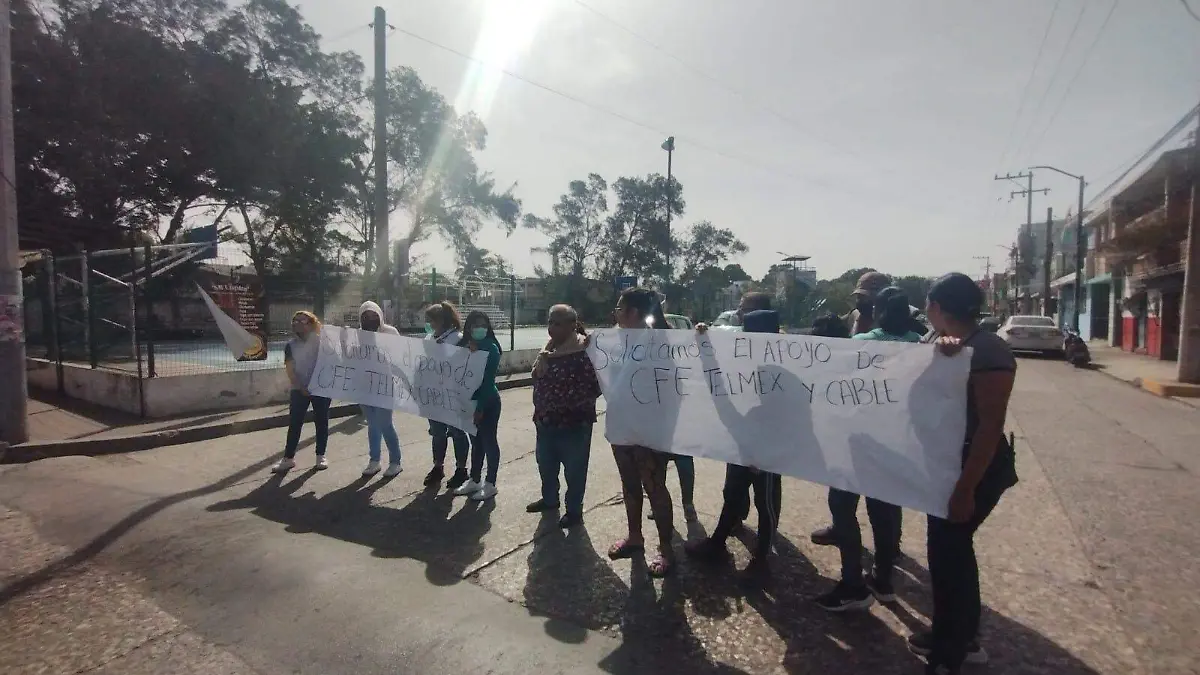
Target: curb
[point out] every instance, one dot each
(95, 447)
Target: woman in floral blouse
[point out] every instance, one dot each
(565, 390)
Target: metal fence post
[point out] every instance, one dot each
(433, 294)
(55, 344)
(512, 316)
(89, 324)
(148, 274)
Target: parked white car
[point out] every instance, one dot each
(728, 320)
(1032, 334)
(678, 322)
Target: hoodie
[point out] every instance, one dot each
(384, 328)
(761, 321)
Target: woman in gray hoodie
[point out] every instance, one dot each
(379, 420)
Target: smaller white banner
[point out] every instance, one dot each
(420, 377)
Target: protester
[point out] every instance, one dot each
(686, 465)
(380, 428)
(858, 320)
(989, 468)
(444, 326)
(485, 446)
(299, 362)
(768, 488)
(892, 322)
(642, 468)
(565, 390)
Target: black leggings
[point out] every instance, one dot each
(885, 523)
(954, 573)
(768, 499)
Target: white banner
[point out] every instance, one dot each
(421, 377)
(881, 419)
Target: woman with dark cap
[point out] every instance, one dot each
(989, 468)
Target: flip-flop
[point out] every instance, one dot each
(624, 549)
(660, 567)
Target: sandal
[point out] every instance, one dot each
(625, 549)
(660, 566)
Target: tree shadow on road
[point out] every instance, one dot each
(90, 550)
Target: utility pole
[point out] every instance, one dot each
(1028, 194)
(991, 283)
(1080, 243)
(380, 154)
(14, 426)
(1188, 368)
(1046, 261)
(669, 146)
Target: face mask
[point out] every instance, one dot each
(478, 333)
(428, 328)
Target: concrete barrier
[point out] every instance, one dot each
(180, 395)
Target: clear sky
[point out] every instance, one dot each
(859, 133)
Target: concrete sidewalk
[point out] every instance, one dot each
(1141, 371)
(60, 426)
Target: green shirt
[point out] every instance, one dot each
(878, 334)
(487, 391)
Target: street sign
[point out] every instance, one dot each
(624, 282)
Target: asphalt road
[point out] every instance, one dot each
(194, 559)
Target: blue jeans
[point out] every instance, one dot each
(380, 427)
(686, 466)
(571, 447)
(297, 409)
(484, 444)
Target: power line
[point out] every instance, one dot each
(1071, 83)
(618, 115)
(1171, 133)
(1189, 9)
(1054, 73)
(342, 36)
(1037, 60)
(797, 126)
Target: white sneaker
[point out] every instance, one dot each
(372, 469)
(468, 488)
(393, 470)
(286, 464)
(486, 492)
(321, 464)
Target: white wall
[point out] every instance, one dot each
(191, 394)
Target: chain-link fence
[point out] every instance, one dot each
(152, 311)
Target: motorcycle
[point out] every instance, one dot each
(1075, 350)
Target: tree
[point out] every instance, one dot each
(706, 245)
(433, 178)
(479, 262)
(636, 234)
(734, 273)
(576, 233)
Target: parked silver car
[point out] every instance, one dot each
(1032, 334)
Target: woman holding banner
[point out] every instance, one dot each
(484, 444)
(989, 468)
(643, 469)
(380, 428)
(444, 326)
(892, 322)
(299, 361)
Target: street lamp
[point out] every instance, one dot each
(669, 146)
(1080, 248)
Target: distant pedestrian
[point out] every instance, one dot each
(989, 469)
(299, 362)
(893, 321)
(565, 390)
(444, 326)
(380, 427)
(485, 444)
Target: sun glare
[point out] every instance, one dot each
(507, 29)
